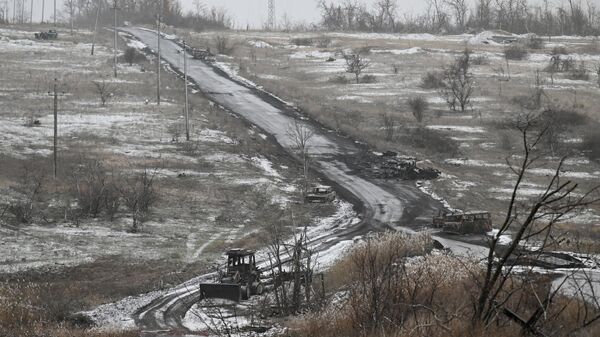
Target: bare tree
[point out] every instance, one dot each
(355, 64)
(105, 91)
(70, 8)
(460, 9)
(459, 82)
(300, 135)
(222, 44)
(560, 199)
(139, 195)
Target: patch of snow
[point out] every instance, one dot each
(457, 128)
(259, 44)
(266, 166)
(410, 51)
(312, 54)
(426, 187)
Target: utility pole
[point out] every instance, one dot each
(43, 8)
(271, 15)
(96, 27)
(185, 81)
(158, 62)
(115, 8)
(55, 94)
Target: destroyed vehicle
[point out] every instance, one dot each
(49, 35)
(201, 53)
(320, 194)
(404, 168)
(240, 280)
(464, 223)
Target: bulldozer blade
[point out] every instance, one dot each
(230, 292)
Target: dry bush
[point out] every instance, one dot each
(223, 45)
(480, 60)
(559, 50)
(323, 41)
(535, 42)
(339, 79)
(515, 52)
(418, 105)
(368, 79)
(390, 288)
(139, 195)
(95, 189)
(302, 41)
(41, 309)
(579, 73)
(433, 80)
(29, 191)
(591, 145)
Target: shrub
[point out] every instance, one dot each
(480, 60)
(433, 80)
(323, 41)
(364, 50)
(222, 45)
(559, 50)
(515, 52)
(579, 74)
(418, 105)
(130, 55)
(591, 145)
(368, 79)
(535, 42)
(302, 41)
(339, 79)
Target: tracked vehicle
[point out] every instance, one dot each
(464, 223)
(240, 280)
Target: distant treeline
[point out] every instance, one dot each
(547, 17)
(83, 12)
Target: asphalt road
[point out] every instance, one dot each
(384, 206)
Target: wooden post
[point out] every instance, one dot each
(185, 81)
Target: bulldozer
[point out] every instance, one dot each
(240, 280)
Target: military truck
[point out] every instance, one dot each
(49, 35)
(240, 280)
(320, 194)
(463, 223)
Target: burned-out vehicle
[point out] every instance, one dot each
(392, 166)
(49, 35)
(240, 280)
(320, 194)
(463, 223)
(201, 53)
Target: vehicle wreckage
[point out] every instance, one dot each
(463, 223)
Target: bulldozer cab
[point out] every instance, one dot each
(240, 260)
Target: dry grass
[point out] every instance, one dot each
(383, 292)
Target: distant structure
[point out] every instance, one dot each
(271, 15)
